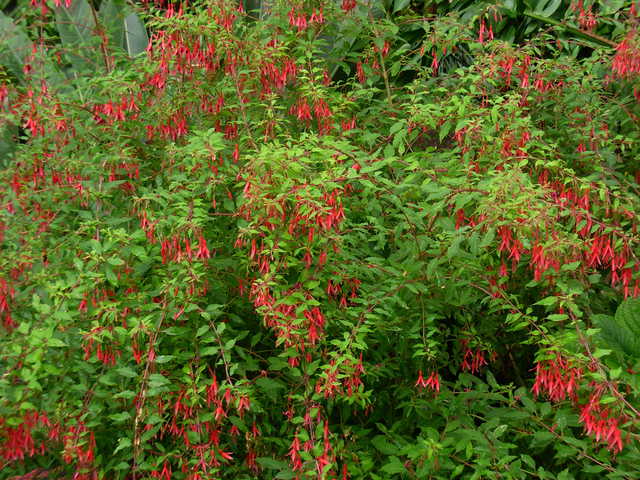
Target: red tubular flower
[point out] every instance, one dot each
(295, 455)
(434, 382)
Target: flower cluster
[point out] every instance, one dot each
(432, 383)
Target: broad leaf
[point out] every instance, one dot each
(76, 26)
(14, 46)
(628, 316)
(135, 38)
(618, 336)
(112, 17)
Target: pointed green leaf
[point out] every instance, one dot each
(551, 8)
(382, 445)
(400, 5)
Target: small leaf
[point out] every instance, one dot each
(202, 330)
(115, 261)
(164, 358)
(601, 352)
(110, 275)
(381, 443)
(155, 380)
(545, 302)
(96, 246)
(268, 384)
(120, 417)
(395, 466)
(272, 464)
(127, 372)
(124, 443)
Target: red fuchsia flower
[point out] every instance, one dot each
(225, 455)
(557, 378)
(602, 423)
(203, 251)
(626, 63)
(294, 453)
(348, 5)
(234, 432)
(433, 382)
(83, 304)
(317, 18)
(243, 404)
(473, 359)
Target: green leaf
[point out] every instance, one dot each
(268, 384)
(110, 275)
(616, 334)
(381, 443)
(164, 358)
(276, 363)
(400, 5)
(395, 466)
(272, 464)
(115, 261)
(202, 330)
(528, 460)
(120, 417)
(575, 442)
(570, 266)
(549, 9)
(112, 18)
(136, 40)
(545, 302)
(124, 443)
(127, 372)
(601, 352)
(96, 247)
(287, 474)
(15, 45)
(155, 380)
(76, 26)
(56, 342)
(628, 316)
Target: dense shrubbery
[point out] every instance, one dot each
(337, 242)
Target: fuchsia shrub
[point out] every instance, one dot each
(306, 247)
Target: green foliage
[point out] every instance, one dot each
(622, 332)
(299, 248)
